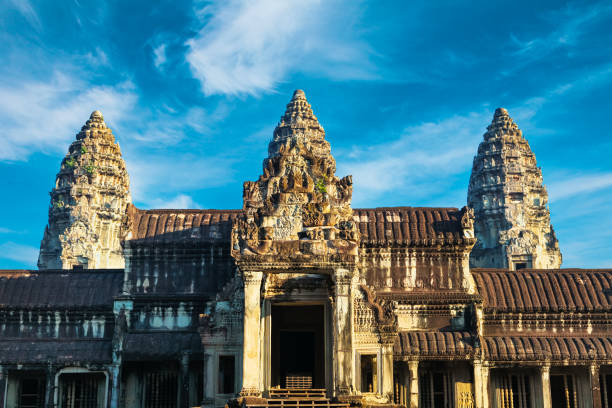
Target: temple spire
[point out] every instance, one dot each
(510, 201)
(88, 211)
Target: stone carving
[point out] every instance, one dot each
(467, 222)
(508, 196)
(298, 207)
(88, 213)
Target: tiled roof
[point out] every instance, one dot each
(553, 348)
(147, 346)
(386, 225)
(435, 344)
(545, 290)
(60, 288)
(179, 225)
(408, 225)
(26, 351)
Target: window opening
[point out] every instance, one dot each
(369, 377)
(512, 391)
(563, 391)
(436, 390)
(31, 393)
(160, 389)
(226, 374)
(81, 390)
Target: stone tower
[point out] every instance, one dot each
(88, 212)
(298, 198)
(510, 202)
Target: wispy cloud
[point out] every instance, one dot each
(44, 116)
(177, 202)
(579, 185)
(159, 55)
(155, 176)
(420, 163)
(24, 7)
(248, 47)
(25, 254)
(571, 24)
(6, 231)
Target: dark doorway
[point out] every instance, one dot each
(298, 355)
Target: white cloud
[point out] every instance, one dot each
(420, 162)
(248, 47)
(159, 55)
(40, 115)
(179, 201)
(6, 231)
(152, 176)
(25, 254)
(24, 7)
(579, 185)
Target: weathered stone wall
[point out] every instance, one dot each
(510, 201)
(88, 211)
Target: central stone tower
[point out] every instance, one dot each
(510, 202)
(88, 213)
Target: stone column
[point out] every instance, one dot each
(251, 350)
(481, 385)
(343, 333)
(387, 371)
(413, 397)
(3, 380)
(115, 385)
(595, 385)
(545, 380)
(208, 392)
(50, 387)
(184, 381)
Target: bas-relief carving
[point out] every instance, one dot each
(88, 217)
(510, 201)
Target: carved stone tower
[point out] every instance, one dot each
(298, 198)
(88, 213)
(510, 201)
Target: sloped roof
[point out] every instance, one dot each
(553, 348)
(435, 344)
(409, 225)
(160, 345)
(28, 351)
(385, 225)
(183, 225)
(60, 288)
(545, 290)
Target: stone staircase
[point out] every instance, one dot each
(295, 398)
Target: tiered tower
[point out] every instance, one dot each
(298, 197)
(510, 202)
(88, 213)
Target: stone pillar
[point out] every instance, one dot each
(481, 385)
(413, 397)
(545, 380)
(208, 391)
(251, 347)
(595, 385)
(387, 371)
(184, 381)
(115, 384)
(50, 387)
(3, 380)
(343, 333)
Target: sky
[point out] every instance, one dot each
(405, 90)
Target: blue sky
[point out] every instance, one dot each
(404, 90)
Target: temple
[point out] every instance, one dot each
(300, 300)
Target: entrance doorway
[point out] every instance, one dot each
(298, 347)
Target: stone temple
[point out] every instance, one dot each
(300, 300)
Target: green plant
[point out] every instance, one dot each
(71, 162)
(320, 185)
(90, 169)
(58, 204)
(83, 150)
